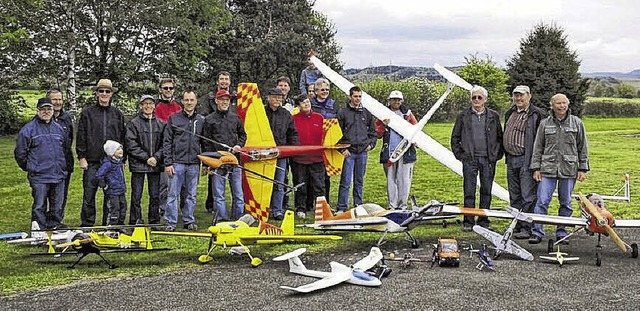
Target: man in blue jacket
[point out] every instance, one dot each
(39, 151)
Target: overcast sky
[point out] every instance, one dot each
(606, 33)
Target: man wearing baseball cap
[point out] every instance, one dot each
(520, 127)
(39, 151)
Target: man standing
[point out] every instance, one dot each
(400, 173)
(476, 140)
(225, 127)
(97, 124)
(327, 107)
(359, 131)
(223, 82)
(521, 124)
(66, 121)
(560, 156)
(39, 151)
(308, 168)
(180, 151)
(284, 133)
(144, 146)
(283, 83)
(309, 76)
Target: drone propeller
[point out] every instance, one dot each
(602, 222)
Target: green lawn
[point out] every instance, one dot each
(613, 143)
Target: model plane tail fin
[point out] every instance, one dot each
(323, 209)
(333, 159)
(288, 223)
(295, 264)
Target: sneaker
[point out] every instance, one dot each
(191, 227)
(467, 228)
(522, 235)
(301, 214)
(534, 239)
(278, 216)
(169, 228)
(339, 212)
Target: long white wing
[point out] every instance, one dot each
(535, 218)
(404, 128)
(366, 263)
(339, 273)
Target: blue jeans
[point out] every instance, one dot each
(185, 174)
(353, 169)
(470, 171)
(278, 190)
(522, 189)
(137, 184)
(545, 192)
(218, 187)
(51, 195)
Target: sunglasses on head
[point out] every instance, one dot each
(106, 91)
(167, 88)
(476, 97)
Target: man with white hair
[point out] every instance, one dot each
(476, 140)
(400, 173)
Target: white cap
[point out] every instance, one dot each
(395, 94)
(110, 147)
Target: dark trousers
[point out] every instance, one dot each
(470, 171)
(90, 187)
(327, 187)
(313, 176)
(137, 186)
(65, 193)
(522, 189)
(116, 209)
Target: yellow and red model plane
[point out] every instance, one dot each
(240, 233)
(260, 151)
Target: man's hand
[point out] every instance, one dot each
(83, 163)
(346, 153)
(152, 162)
(582, 176)
(386, 121)
(236, 149)
(368, 148)
(537, 176)
(170, 170)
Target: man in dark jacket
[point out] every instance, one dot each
(223, 82)
(400, 173)
(66, 121)
(225, 127)
(284, 133)
(39, 151)
(97, 124)
(520, 127)
(476, 141)
(180, 151)
(144, 146)
(359, 131)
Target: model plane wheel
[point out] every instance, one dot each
(634, 250)
(415, 245)
(255, 261)
(444, 224)
(598, 259)
(550, 246)
(205, 259)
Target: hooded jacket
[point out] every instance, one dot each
(144, 140)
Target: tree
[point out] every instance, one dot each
(548, 66)
(11, 36)
(485, 73)
(625, 90)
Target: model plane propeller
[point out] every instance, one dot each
(355, 274)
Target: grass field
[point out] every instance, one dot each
(613, 143)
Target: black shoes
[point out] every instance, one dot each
(467, 228)
(522, 235)
(534, 239)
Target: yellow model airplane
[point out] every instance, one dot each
(240, 233)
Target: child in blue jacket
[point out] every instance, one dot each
(110, 176)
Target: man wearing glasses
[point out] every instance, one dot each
(97, 124)
(167, 104)
(327, 107)
(476, 140)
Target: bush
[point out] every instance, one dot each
(611, 108)
(10, 106)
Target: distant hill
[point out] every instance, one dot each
(394, 73)
(635, 74)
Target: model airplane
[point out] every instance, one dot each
(406, 259)
(262, 150)
(13, 236)
(355, 274)
(559, 257)
(502, 242)
(372, 218)
(403, 127)
(239, 233)
(48, 237)
(484, 257)
(594, 220)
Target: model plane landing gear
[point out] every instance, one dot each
(634, 250)
(550, 246)
(599, 252)
(87, 248)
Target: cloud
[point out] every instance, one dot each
(419, 33)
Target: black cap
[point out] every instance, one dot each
(276, 91)
(44, 102)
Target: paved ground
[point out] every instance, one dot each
(233, 285)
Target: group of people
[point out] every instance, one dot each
(543, 152)
(163, 141)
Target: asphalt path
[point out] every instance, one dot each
(231, 284)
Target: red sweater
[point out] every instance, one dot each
(164, 109)
(310, 133)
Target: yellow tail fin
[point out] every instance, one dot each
(288, 223)
(333, 159)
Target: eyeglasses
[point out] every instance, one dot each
(476, 97)
(323, 90)
(167, 88)
(106, 91)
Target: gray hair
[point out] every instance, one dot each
(554, 97)
(477, 88)
(320, 82)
